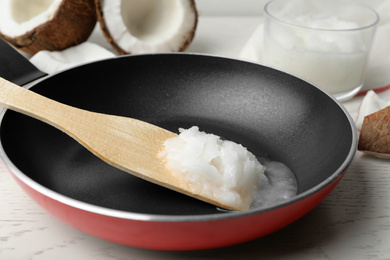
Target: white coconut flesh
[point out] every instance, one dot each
(141, 26)
(18, 17)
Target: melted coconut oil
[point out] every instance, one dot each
(282, 185)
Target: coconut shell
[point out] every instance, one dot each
(110, 39)
(72, 24)
(375, 132)
(102, 21)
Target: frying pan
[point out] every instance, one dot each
(274, 114)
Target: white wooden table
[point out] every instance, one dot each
(353, 222)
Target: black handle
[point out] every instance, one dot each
(16, 68)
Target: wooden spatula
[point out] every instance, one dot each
(128, 144)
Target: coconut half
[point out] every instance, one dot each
(147, 26)
(54, 25)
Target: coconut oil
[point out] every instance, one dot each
(226, 171)
(336, 71)
(324, 42)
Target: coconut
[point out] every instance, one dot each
(54, 25)
(375, 134)
(147, 26)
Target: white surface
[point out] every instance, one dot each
(353, 222)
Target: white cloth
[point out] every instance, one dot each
(54, 61)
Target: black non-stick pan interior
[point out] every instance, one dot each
(273, 114)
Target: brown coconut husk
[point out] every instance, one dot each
(375, 133)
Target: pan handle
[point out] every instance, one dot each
(16, 68)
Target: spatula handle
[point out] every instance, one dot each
(32, 104)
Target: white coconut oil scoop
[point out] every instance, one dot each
(128, 144)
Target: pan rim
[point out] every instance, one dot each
(13, 169)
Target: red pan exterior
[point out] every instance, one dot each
(182, 235)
